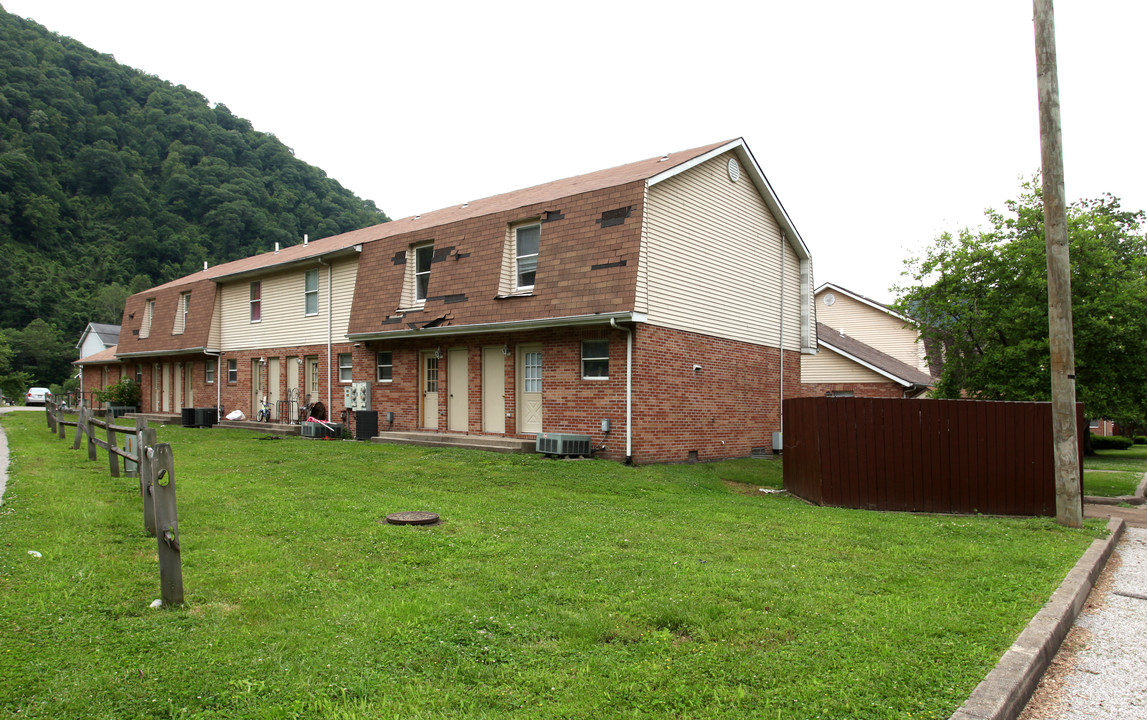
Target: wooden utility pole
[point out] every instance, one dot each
(1068, 504)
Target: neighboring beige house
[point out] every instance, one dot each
(865, 349)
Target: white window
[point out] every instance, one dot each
(181, 313)
(526, 241)
(148, 314)
(232, 370)
(256, 301)
(423, 256)
(595, 359)
(345, 367)
(385, 364)
(209, 371)
(533, 368)
(311, 292)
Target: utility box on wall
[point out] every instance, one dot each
(356, 396)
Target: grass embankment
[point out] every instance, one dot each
(552, 589)
(1130, 464)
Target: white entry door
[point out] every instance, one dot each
(458, 385)
(530, 388)
(493, 389)
(429, 390)
(273, 387)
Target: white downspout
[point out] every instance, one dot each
(330, 309)
(782, 342)
(628, 389)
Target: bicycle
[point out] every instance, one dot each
(264, 414)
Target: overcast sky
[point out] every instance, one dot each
(879, 124)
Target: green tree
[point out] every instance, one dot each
(982, 295)
(12, 383)
(40, 351)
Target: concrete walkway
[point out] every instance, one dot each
(1100, 671)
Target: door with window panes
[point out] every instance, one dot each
(530, 388)
(430, 389)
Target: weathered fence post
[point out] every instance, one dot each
(131, 468)
(49, 413)
(91, 438)
(113, 459)
(167, 525)
(147, 477)
(79, 426)
(60, 426)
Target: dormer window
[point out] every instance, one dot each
(148, 314)
(526, 241)
(181, 313)
(423, 256)
(520, 259)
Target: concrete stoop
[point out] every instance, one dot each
(261, 427)
(491, 443)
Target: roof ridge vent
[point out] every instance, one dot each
(664, 157)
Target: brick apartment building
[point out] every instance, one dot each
(670, 298)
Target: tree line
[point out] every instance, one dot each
(113, 181)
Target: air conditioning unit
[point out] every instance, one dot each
(322, 430)
(206, 417)
(563, 444)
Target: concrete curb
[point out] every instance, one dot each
(1004, 693)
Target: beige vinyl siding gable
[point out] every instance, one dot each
(711, 259)
(871, 326)
(283, 320)
(829, 367)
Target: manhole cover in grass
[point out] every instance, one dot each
(412, 518)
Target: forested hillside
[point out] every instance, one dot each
(112, 180)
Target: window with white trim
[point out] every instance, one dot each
(148, 314)
(423, 256)
(311, 292)
(527, 238)
(256, 301)
(181, 313)
(345, 367)
(595, 359)
(209, 372)
(232, 370)
(384, 362)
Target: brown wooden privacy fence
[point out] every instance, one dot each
(946, 456)
(153, 463)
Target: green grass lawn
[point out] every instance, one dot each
(552, 589)
(1107, 483)
(1133, 459)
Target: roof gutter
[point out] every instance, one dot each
(159, 353)
(513, 326)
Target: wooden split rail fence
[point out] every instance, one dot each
(153, 463)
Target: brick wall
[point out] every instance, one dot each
(868, 390)
(728, 407)
(569, 403)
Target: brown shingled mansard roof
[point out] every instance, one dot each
(601, 291)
